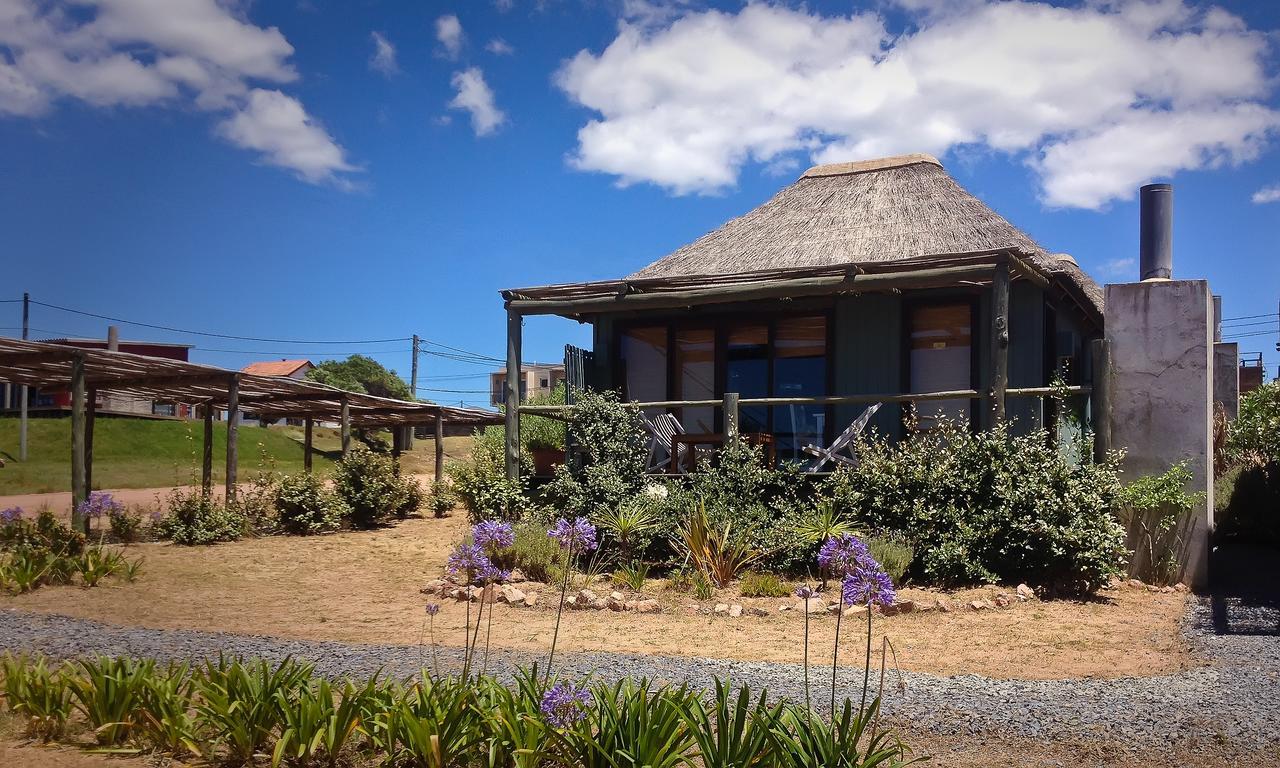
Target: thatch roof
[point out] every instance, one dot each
(891, 209)
(895, 214)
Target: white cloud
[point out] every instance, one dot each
(384, 55)
(130, 53)
(1120, 269)
(475, 97)
(499, 47)
(277, 126)
(1268, 194)
(449, 33)
(1095, 99)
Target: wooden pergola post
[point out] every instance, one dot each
(346, 426)
(515, 327)
(307, 433)
(206, 463)
(90, 416)
(731, 417)
(397, 447)
(439, 446)
(1100, 407)
(79, 492)
(999, 340)
(233, 430)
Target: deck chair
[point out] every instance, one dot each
(662, 428)
(841, 443)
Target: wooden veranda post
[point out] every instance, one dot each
(233, 431)
(90, 416)
(439, 446)
(206, 463)
(307, 433)
(511, 397)
(79, 492)
(731, 416)
(345, 418)
(999, 340)
(1100, 407)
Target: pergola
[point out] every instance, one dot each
(85, 372)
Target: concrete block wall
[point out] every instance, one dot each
(1162, 354)
(1226, 377)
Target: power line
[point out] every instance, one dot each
(1253, 323)
(213, 335)
(1249, 317)
(455, 391)
(369, 352)
(1235, 336)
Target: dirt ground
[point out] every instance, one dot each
(364, 587)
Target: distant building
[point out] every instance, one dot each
(1252, 373)
(292, 369)
(535, 380)
(54, 402)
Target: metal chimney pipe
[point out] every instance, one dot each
(1157, 231)
(113, 338)
(1217, 319)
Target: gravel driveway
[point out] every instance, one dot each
(1234, 699)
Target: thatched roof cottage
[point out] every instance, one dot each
(876, 278)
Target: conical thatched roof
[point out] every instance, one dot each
(892, 209)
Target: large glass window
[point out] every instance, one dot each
(695, 377)
(799, 370)
(644, 364)
(747, 372)
(941, 359)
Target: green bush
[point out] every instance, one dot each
(443, 498)
(194, 520)
(482, 483)
(616, 445)
(535, 553)
(372, 491)
(126, 524)
(894, 552)
(541, 432)
(304, 506)
(1247, 501)
(1254, 437)
(988, 506)
(45, 534)
(753, 584)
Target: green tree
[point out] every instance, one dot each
(361, 374)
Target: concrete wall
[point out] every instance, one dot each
(1161, 335)
(1226, 377)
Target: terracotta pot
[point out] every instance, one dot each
(545, 460)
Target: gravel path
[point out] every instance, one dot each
(1235, 699)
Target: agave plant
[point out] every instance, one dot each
(714, 551)
(630, 519)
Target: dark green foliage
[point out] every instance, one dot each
(45, 534)
(535, 553)
(194, 519)
(1255, 434)
(372, 491)
(616, 445)
(443, 498)
(361, 374)
(988, 506)
(539, 431)
(304, 506)
(126, 524)
(1247, 498)
(894, 552)
(482, 483)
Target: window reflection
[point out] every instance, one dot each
(695, 377)
(644, 363)
(799, 370)
(941, 359)
(747, 373)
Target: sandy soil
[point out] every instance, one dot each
(364, 587)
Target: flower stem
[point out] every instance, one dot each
(835, 655)
(808, 702)
(564, 588)
(866, 673)
(488, 632)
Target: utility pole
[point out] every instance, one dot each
(413, 386)
(22, 391)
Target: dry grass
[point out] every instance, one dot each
(364, 587)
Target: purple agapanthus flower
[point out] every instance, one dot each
(842, 555)
(493, 535)
(492, 574)
(565, 705)
(432, 609)
(804, 592)
(10, 515)
(99, 504)
(467, 560)
(578, 536)
(868, 585)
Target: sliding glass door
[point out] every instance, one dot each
(941, 359)
(799, 370)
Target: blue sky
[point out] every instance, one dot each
(352, 171)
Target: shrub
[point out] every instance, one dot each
(1157, 510)
(1255, 434)
(443, 498)
(1247, 501)
(304, 506)
(372, 490)
(126, 524)
(482, 483)
(893, 552)
(45, 534)
(753, 584)
(194, 520)
(715, 551)
(535, 553)
(987, 506)
(615, 441)
(541, 432)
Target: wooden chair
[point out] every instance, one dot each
(662, 428)
(841, 443)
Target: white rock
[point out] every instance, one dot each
(1026, 593)
(647, 606)
(531, 599)
(735, 611)
(722, 607)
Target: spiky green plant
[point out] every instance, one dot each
(38, 693)
(165, 720)
(108, 692)
(733, 731)
(239, 702)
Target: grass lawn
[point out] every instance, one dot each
(363, 587)
(146, 453)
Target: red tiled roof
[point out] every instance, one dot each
(275, 367)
